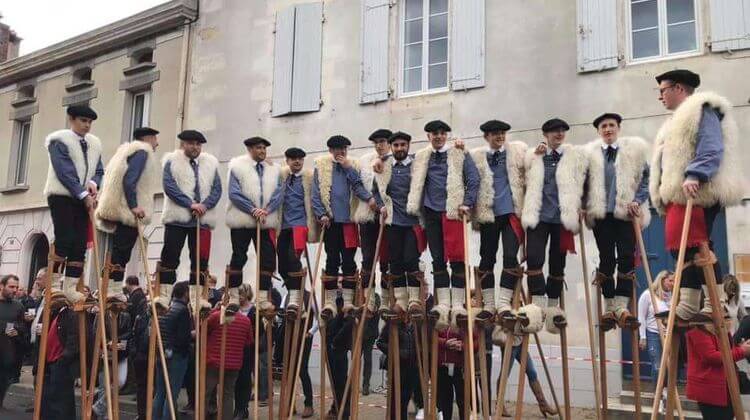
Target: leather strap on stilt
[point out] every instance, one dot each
(599, 279)
(263, 273)
(704, 261)
(559, 279)
(516, 272)
(479, 275)
(530, 273)
(629, 276)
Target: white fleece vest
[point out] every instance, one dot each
(570, 177)
(183, 175)
(366, 172)
(313, 228)
(515, 152)
(243, 168)
(632, 156)
(674, 148)
(324, 165)
(112, 206)
(71, 140)
(454, 182)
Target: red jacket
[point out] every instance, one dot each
(239, 336)
(445, 355)
(706, 382)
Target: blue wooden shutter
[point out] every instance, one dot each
(730, 25)
(283, 63)
(374, 64)
(467, 44)
(308, 44)
(597, 35)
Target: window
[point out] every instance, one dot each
(139, 111)
(424, 36)
(23, 134)
(662, 28)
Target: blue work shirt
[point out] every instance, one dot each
(244, 203)
(502, 202)
(344, 181)
(709, 147)
(610, 181)
(398, 190)
(136, 165)
(550, 211)
(65, 169)
(294, 202)
(436, 188)
(173, 191)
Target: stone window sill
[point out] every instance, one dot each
(14, 189)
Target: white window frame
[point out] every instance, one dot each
(663, 34)
(21, 169)
(425, 51)
(146, 94)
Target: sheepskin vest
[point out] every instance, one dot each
(674, 148)
(183, 174)
(455, 182)
(112, 206)
(367, 174)
(71, 140)
(313, 229)
(570, 177)
(324, 165)
(632, 156)
(515, 152)
(243, 168)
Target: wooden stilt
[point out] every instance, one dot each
(52, 260)
(94, 372)
(198, 403)
(650, 281)
(391, 383)
(114, 341)
(396, 369)
(507, 355)
(522, 373)
(288, 370)
(269, 365)
(564, 354)
(673, 305)
(323, 362)
(636, 355)
(420, 360)
(222, 359)
(483, 374)
(470, 320)
(602, 354)
(433, 372)
(151, 370)
(674, 355)
(82, 353)
(467, 385)
(256, 359)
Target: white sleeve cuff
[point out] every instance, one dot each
(91, 181)
(83, 195)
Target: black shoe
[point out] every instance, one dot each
(366, 389)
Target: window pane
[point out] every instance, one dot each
(680, 11)
(439, 51)
(413, 80)
(413, 55)
(645, 14)
(681, 37)
(23, 153)
(438, 26)
(413, 31)
(646, 43)
(138, 111)
(413, 9)
(438, 76)
(438, 6)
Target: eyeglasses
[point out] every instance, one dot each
(664, 89)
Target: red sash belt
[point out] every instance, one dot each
(453, 239)
(697, 232)
(351, 235)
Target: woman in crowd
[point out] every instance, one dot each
(735, 306)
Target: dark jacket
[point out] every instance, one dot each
(11, 348)
(406, 342)
(175, 327)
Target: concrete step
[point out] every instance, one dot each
(621, 411)
(647, 398)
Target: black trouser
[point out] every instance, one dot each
(123, 241)
(174, 240)
(367, 359)
(615, 239)
(448, 386)
(339, 257)
(304, 373)
(536, 244)
(140, 367)
(58, 400)
(435, 240)
(403, 255)
(339, 363)
(409, 381)
(715, 412)
(241, 239)
(490, 235)
(243, 386)
(6, 373)
(368, 235)
(692, 277)
(289, 261)
(71, 222)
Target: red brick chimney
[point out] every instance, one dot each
(9, 42)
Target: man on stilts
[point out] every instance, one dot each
(696, 155)
(192, 189)
(127, 196)
(555, 175)
(444, 187)
(499, 204)
(337, 193)
(74, 176)
(617, 192)
(369, 225)
(254, 197)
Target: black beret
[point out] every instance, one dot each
(399, 135)
(381, 133)
(493, 126)
(141, 132)
(294, 152)
(436, 125)
(338, 141)
(252, 141)
(555, 124)
(607, 116)
(192, 135)
(686, 77)
(84, 111)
